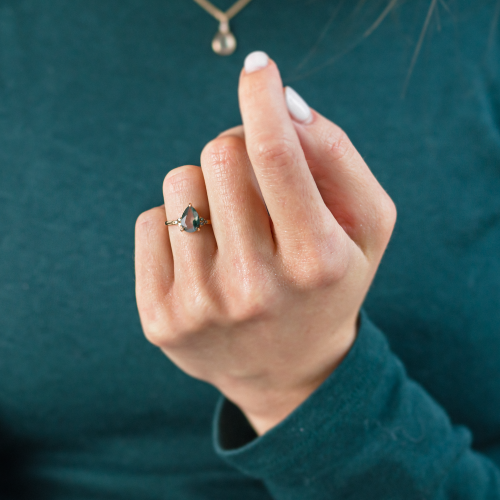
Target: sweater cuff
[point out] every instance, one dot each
(294, 443)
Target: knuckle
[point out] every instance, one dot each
(176, 332)
(155, 331)
(180, 335)
(156, 320)
(196, 312)
(180, 317)
(146, 219)
(320, 266)
(338, 144)
(276, 153)
(221, 147)
(250, 286)
(248, 307)
(249, 296)
(314, 275)
(387, 214)
(220, 154)
(148, 227)
(179, 179)
(250, 303)
(247, 312)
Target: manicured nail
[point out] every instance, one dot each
(256, 60)
(297, 107)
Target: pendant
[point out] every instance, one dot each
(224, 42)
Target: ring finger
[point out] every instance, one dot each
(192, 252)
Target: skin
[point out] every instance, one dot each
(263, 307)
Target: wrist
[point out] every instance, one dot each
(267, 408)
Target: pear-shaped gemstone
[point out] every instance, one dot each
(190, 220)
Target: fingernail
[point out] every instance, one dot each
(297, 107)
(256, 60)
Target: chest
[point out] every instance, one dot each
(96, 110)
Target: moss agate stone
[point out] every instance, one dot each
(190, 220)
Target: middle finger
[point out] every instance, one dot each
(240, 220)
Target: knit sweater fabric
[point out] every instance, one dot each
(99, 99)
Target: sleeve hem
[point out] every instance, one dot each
(347, 389)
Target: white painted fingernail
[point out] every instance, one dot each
(297, 107)
(256, 60)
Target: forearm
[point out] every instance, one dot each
(368, 432)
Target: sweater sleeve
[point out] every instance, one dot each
(368, 432)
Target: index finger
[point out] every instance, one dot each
(289, 190)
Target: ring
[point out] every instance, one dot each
(190, 221)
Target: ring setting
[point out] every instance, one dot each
(190, 221)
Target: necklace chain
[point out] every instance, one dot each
(224, 42)
(218, 14)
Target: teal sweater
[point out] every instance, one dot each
(99, 99)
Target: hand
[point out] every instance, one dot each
(264, 307)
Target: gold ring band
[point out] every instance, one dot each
(189, 221)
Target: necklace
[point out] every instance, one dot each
(224, 42)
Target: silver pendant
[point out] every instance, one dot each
(224, 42)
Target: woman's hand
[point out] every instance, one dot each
(264, 307)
